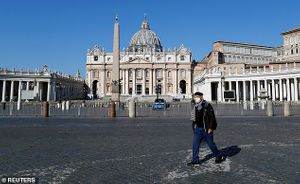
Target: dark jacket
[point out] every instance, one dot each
(205, 117)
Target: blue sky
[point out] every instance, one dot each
(58, 32)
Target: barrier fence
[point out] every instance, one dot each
(173, 109)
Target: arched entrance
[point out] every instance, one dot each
(94, 89)
(182, 85)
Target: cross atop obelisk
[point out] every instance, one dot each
(116, 63)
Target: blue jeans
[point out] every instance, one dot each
(199, 134)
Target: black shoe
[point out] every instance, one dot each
(193, 163)
(220, 159)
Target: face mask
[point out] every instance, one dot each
(197, 100)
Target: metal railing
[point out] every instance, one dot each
(173, 109)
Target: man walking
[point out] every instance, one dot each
(204, 124)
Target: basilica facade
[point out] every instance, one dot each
(145, 65)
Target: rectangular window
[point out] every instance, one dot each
(139, 89)
(31, 86)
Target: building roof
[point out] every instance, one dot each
(244, 44)
(291, 31)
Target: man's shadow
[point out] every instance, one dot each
(225, 152)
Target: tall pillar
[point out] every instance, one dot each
(258, 90)
(176, 82)
(222, 90)
(293, 91)
(189, 79)
(127, 82)
(219, 91)
(154, 81)
(27, 86)
(273, 89)
(266, 85)
(209, 95)
(133, 82)
(284, 90)
(276, 90)
(3, 91)
(244, 91)
(237, 91)
(269, 90)
(38, 90)
(280, 90)
(19, 95)
(48, 91)
(11, 91)
(115, 96)
(103, 81)
(144, 82)
(296, 89)
(151, 82)
(230, 85)
(288, 91)
(124, 82)
(164, 81)
(251, 90)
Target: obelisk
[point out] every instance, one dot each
(115, 97)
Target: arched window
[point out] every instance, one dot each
(169, 74)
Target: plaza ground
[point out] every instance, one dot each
(148, 150)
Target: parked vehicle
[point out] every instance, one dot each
(159, 104)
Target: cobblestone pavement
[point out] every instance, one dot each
(149, 150)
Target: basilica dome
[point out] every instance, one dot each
(145, 40)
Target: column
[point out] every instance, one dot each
(277, 90)
(293, 91)
(258, 90)
(269, 90)
(38, 90)
(266, 85)
(124, 82)
(222, 90)
(296, 89)
(144, 82)
(244, 91)
(127, 82)
(3, 91)
(273, 90)
(103, 80)
(284, 90)
(20, 91)
(48, 91)
(219, 91)
(208, 93)
(133, 82)
(164, 81)
(151, 82)
(237, 91)
(27, 86)
(11, 91)
(175, 82)
(230, 87)
(189, 90)
(280, 90)
(288, 91)
(251, 90)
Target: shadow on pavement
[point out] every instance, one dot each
(226, 152)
